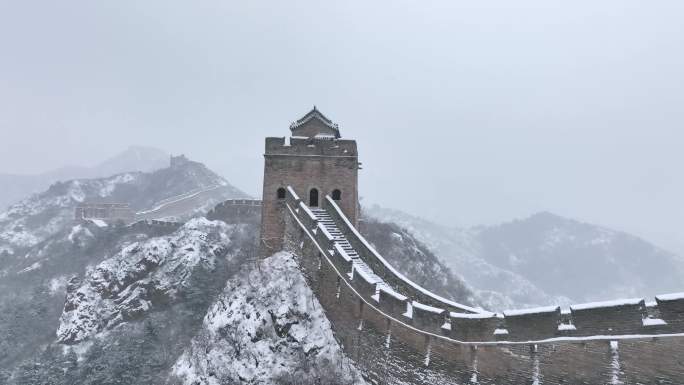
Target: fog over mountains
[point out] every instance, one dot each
(546, 259)
(135, 158)
(190, 304)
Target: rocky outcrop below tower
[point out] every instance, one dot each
(267, 327)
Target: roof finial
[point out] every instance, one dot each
(314, 107)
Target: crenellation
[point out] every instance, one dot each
(280, 146)
(391, 302)
(609, 317)
(671, 310)
(473, 327)
(532, 325)
(428, 318)
(236, 211)
(363, 283)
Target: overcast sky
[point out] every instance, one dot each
(466, 112)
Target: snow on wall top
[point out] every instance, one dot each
(564, 318)
(389, 267)
(670, 297)
(536, 310)
(614, 303)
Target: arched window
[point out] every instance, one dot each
(281, 193)
(337, 194)
(313, 197)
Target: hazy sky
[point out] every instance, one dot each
(466, 112)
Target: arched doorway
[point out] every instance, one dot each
(313, 197)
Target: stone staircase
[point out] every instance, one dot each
(326, 220)
(359, 265)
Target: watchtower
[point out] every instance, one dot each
(316, 162)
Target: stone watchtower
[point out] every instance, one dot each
(316, 163)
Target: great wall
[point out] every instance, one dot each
(400, 333)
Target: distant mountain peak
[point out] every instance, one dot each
(133, 158)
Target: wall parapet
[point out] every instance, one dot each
(296, 146)
(379, 284)
(384, 269)
(391, 338)
(236, 210)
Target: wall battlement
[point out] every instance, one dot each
(366, 298)
(375, 280)
(295, 146)
(108, 212)
(155, 224)
(236, 211)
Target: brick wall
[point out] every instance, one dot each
(236, 211)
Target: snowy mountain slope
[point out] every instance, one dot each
(33, 285)
(142, 276)
(266, 328)
(41, 246)
(31, 221)
(492, 287)
(141, 316)
(135, 158)
(129, 316)
(415, 260)
(544, 260)
(582, 261)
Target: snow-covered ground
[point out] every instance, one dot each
(132, 282)
(266, 327)
(43, 215)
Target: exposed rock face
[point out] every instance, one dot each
(266, 328)
(141, 277)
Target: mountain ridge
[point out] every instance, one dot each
(538, 260)
(132, 159)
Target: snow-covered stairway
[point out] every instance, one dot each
(359, 265)
(326, 220)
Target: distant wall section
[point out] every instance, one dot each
(107, 212)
